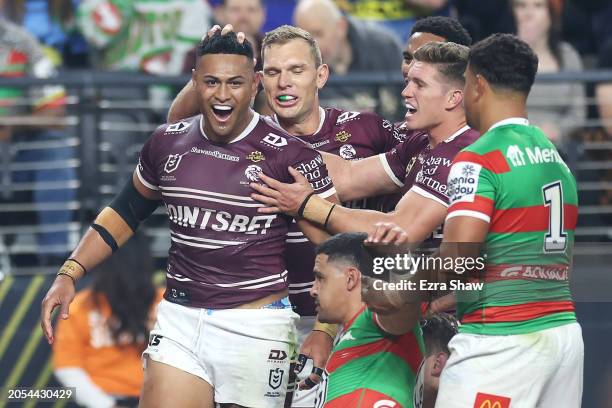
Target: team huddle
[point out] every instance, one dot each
(275, 222)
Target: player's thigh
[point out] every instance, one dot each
(167, 386)
(564, 388)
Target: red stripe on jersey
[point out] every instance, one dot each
(550, 272)
(17, 57)
(481, 204)
(405, 347)
(529, 219)
(517, 313)
(493, 161)
(362, 398)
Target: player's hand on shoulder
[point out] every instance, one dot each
(61, 294)
(387, 233)
(282, 197)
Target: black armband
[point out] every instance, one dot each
(132, 206)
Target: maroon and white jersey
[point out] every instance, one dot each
(224, 253)
(352, 136)
(415, 166)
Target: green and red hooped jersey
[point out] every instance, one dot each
(514, 179)
(369, 367)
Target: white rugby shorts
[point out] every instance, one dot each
(543, 369)
(243, 353)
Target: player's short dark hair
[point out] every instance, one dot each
(438, 329)
(448, 28)
(505, 61)
(224, 44)
(347, 247)
(450, 59)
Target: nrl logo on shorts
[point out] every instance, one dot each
(276, 378)
(343, 136)
(256, 156)
(173, 162)
(252, 172)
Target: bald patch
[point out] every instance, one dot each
(317, 9)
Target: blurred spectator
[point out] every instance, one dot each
(395, 15)
(98, 348)
(143, 35)
(483, 18)
(603, 91)
(438, 330)
(247, 16)
(35, 115)
(557, 108)
(53, 23)
(348, 45)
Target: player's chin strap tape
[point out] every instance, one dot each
(117, 222)
(316, 209)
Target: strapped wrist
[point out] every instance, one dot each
(73, 269)
(330, 329)
(316, 209)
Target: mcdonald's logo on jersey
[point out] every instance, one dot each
(491, 401)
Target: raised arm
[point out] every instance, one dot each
(185, 105)
(359, 179)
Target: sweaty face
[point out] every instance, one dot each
(415, 41)
(470, 100)
(245, 15)
(532, 19)
(225, 84)
(329, 290)
(290, 80)
(424, 95)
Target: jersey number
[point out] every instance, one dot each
(555, 240)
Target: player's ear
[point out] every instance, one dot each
(455, 98)
(255, 86)
(353, 278)
(322, 75)
(482, 86)
(193, 76)
(439, 363)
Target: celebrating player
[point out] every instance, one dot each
(418, 166)
(377, 355)
(225, 330)
(519, 343)
(293, 74)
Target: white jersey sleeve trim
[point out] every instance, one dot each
(424, 193)
(385, 164)
(145, 182)
(328, 193)
(468, 213)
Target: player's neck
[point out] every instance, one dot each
(354, 306)
(499, 109)
(244, 123)
(446, 129)
(305, 127)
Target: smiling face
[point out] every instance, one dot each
(292, 80)
(425, 96)
(225, 85)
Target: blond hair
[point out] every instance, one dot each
(286, 33)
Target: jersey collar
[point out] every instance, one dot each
(457, 133)
(321, 120)
(242, 135)
(510, 121)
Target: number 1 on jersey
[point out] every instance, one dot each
(555, 240)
